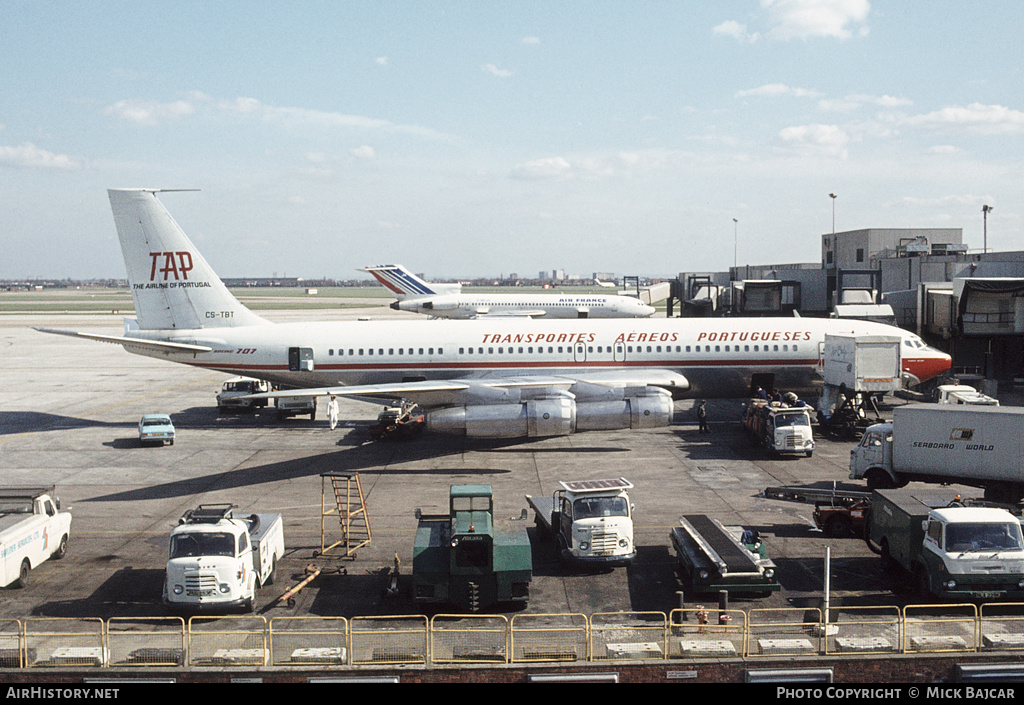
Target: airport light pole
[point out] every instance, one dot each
(985, 210)
(835, 248)
(735, 242)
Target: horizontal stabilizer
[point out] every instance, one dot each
(153, 345)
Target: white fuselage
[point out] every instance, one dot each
(464, 306)
(716, 356)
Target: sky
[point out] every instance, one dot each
(478, 139)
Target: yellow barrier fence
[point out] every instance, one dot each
(55, 641)
(227, 641)
(550, 637)
(309, 641)
(863, 630)
(628, 635)
(784, 632)
(11, 651)
(699, 632)
(389, 640)
(152, 641)
(692, 633)
(940, 628)
(464, 638)
(1001, 626)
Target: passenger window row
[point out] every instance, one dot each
(392, 352)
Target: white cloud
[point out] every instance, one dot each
(545, 168)
(381, 61)
(974, 119)
(803, 19)
(149, 112)
(731, 28)
(772, 90)
(815, 140)
(531, 40)
(855, 101)
(363, 152)
(28, 155)
(495, 71)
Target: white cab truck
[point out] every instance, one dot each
(590, 521)
(954, 552)
(218, 560)
(963, 394)
(32, 530)
(978, 446)
(780, 428)
(234, 394)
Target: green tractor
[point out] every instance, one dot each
(464, 561)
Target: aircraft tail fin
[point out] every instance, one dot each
(401, 282)
(172, 286)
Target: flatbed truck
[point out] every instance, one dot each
(32, 530)
(590, 521)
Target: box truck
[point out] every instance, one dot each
(978, 446)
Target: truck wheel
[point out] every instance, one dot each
(838, 526)
(62, 548)
(921, 583)
(888, 564)
(26, 567)
(272, 575)
(879, 480)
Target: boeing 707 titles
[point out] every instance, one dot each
(448, 301)
(501, 377)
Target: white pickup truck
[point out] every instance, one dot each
(32, 530)
(216, 561)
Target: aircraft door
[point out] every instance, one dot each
(300, 359)
(579, 352)
(619, 352)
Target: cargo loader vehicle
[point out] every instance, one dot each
(713, 557)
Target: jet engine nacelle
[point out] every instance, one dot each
(558, 415)
(648, 407)
(436, 303)
(534, 418)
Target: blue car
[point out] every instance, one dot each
(156, 428)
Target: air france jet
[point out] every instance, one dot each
(448, 301)
(504, 377)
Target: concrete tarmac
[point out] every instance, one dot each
(68, 417)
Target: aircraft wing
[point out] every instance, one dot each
(510, 314)
(439, 393)
(138, 343)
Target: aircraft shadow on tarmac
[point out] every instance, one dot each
(12, 422)
(128, 592)
(380, 458)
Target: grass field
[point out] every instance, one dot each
(119, 301)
